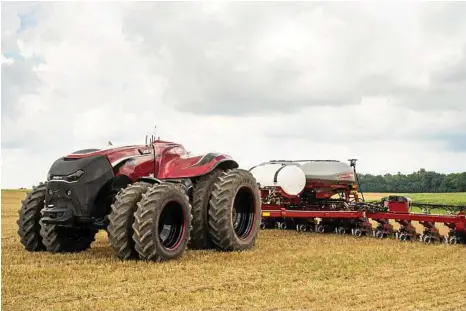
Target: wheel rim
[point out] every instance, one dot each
(171, 225)
(243, 213)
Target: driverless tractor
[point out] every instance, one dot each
(154, 201)
(323, 196)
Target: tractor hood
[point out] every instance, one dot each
(118, 154)
(72, 170)
(114, 155)
(73, 186)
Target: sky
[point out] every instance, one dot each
(381, 82)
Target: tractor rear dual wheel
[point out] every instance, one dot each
(162, 223)
(234, 212)
(202, 194)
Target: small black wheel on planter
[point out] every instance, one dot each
(121, 218)
(29, 219)
(358, 232)
(235, 211)
(162, 223)
(320, 228)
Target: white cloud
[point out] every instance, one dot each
(255, 80)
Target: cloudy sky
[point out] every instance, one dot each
(384, 83)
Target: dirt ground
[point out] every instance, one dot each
(285, 271)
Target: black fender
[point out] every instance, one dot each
(224, 164)
(150, 180)
(106, 193)
(186, 183)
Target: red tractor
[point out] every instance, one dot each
(154, 201)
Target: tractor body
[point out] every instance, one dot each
(81, 185)
(152, 199)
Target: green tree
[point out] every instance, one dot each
(420, 181)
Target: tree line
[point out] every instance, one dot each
(420, 181)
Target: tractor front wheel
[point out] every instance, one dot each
(235, 211)
(200, 238)
(59, 239)
(29, 219)
(162, 224)
(121, 218)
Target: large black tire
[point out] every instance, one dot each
(202, 194)
(121, 218)
(235, 211)
(29, 217)
(162, 224)
(65, 239)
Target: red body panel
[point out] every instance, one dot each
(162, 159)
(138, 167)
(114, 154)
(278, 211)
(397, 207)
(398, 211)
(419, 217)
(174, 162)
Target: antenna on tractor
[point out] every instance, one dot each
(152, 137)
(155, 132)
(146, 140)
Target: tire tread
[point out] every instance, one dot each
(121, 219)
(144, 216)
(29, 219)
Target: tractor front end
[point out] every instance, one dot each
(72, 188)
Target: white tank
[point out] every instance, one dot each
(328, 171)
(291, 178)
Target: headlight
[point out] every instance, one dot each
(69, 178)
(75, 176)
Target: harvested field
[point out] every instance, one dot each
(286, 270)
